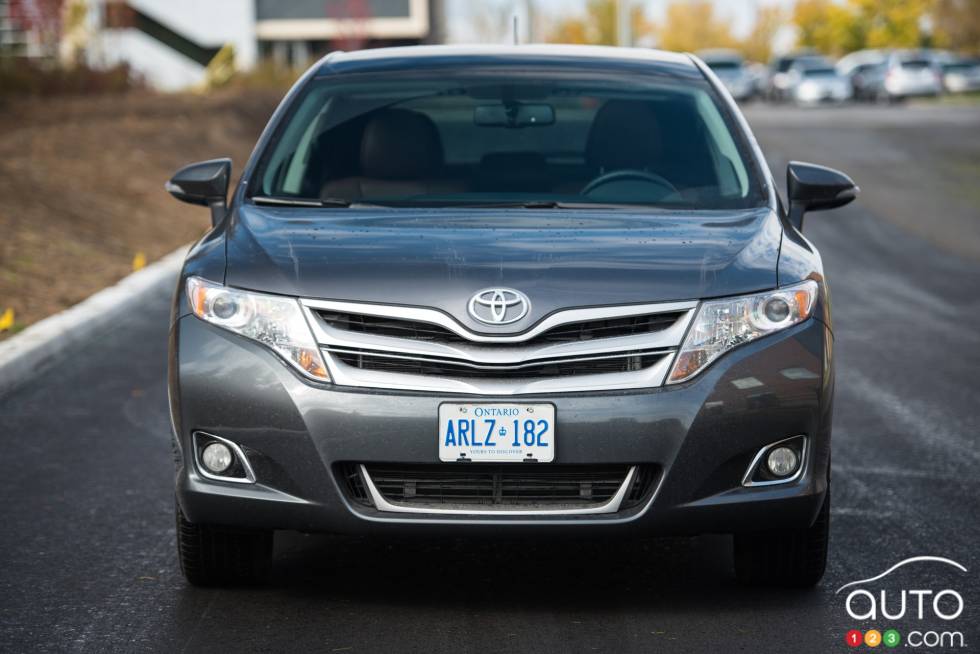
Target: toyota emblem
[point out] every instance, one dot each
(499, 306)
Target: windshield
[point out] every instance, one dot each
(819, 72)
(726, 65)
(916, 64)
(520, 138)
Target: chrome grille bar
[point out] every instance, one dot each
(510, 353)
(435, 317)
(490, 368)
(650, 377)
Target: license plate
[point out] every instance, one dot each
(497, 432)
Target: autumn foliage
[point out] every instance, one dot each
(830, 26)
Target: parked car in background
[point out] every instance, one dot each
(759, 74)
(730, 68)
(860, 70)
(780, 80)
(961, 76)
(906, 74)
(815, 81)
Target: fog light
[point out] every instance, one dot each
(217, 457)
(782, 461)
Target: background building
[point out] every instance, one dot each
(171, 43)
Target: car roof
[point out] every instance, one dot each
(719, 54)
(815, 61)
(428, 56)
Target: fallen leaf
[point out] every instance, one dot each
(7, 320)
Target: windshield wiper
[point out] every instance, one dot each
(542, 204)
(523, 204)
(287, 202)
(309, 202)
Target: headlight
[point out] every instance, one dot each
(721, 325)
(276, 322)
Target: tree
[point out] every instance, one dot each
(40, 17)
(836, 28)
(757, 46)
(690, 26)
(891, 23)
(598, 26)
(957, 24)
(827, 26)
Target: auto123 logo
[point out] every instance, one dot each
(914, 603)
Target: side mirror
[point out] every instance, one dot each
(204, 183)
(816, 188)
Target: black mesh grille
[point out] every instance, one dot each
(411, 329)
(573, 332)
(520, 484)
(546, 369)
(610, 328)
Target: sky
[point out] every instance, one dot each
(463, 17)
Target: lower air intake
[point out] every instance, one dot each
(499, 486)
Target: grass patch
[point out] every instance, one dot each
(971, 98)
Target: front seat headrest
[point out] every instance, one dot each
(400, 144)
(624, 134)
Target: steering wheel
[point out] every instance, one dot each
(628, 175)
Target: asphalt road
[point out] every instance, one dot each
(87, 526)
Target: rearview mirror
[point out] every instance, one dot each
(204, 183)
(513, 115)
(816, 188)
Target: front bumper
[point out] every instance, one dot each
(701, 436)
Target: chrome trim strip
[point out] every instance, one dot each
(249, 473)
(747, 477)
(344, 375)
(435, 317)
(611, 506)
(476, 366)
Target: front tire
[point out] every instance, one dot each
(784, 557)
(211, 556)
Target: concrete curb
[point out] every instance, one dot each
(41, 345)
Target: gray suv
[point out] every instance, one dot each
(521, 290)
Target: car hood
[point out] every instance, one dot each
(558, 258)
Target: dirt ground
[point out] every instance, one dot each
(81, 183)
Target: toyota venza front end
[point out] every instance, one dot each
(504, 290)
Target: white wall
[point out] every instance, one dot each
(209, 22)
(161, 67)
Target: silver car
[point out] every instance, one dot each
(732, 71)
(961, 76)
(861, 69)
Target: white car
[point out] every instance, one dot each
(812, 84)
(908, 74)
